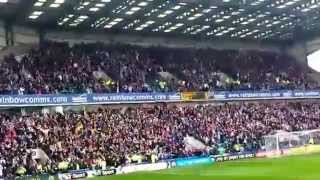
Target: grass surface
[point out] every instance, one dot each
(288, 168)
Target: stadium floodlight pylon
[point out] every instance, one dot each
(290, 143)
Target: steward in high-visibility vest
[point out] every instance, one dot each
(21, 171)
(311, 141)
(154, 158)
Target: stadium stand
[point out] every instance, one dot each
(108, 136)
(99, 68)
(101, 87)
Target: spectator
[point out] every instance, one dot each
(113, 136)
(99, 68)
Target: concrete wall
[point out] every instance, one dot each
(23, 40)
(25, 35)
(313, 45)
(2, 35)
(298, 50)
(145, 40)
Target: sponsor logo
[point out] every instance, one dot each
(176, 96)
(219, 96)
(66, 176)
(78, 175)
(142, 167)
(108, 172)
(232, 157)
(287, 94)
(306, 93)
(80, 99)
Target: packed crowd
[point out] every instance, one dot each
(100, 68)
(110, 137)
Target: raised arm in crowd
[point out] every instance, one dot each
(98, 68)
(109, 137)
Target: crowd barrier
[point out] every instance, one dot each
(233, 156)
(192, 161)
(79, 99)
(142, 167)
(256, 95)
(180, 162)
(124, 98)
(85, 173)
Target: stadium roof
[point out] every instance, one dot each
(244, 19)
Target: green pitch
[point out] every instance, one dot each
(288, 168)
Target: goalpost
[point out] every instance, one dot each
(298, 142)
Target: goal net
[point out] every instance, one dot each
(294, 141)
